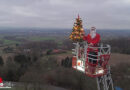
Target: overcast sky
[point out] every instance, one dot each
(104, 14)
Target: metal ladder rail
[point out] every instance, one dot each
(103, 81)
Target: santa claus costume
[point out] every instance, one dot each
(92, 38)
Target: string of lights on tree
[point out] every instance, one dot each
(77, 31)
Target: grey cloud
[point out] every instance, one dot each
(113, 14)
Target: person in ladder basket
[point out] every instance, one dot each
(93, 40)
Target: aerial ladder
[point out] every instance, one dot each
(93, 65)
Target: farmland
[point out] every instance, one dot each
(36, 57)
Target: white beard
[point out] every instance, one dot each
(93, 34)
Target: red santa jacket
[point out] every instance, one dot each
(94, 40)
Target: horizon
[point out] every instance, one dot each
(36, 28)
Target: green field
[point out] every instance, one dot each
(41, 38)
(21, 39)
(30, 38)
(7, 42)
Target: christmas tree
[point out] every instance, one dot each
(77, 31)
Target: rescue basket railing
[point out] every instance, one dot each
(96, 59)
(91, 60)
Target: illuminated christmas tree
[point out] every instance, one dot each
(77, 31)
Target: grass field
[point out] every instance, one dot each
(41, 38)
(7, 42)
(30, 38)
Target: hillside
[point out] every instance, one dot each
(117, 58)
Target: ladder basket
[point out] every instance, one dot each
(96, 61)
